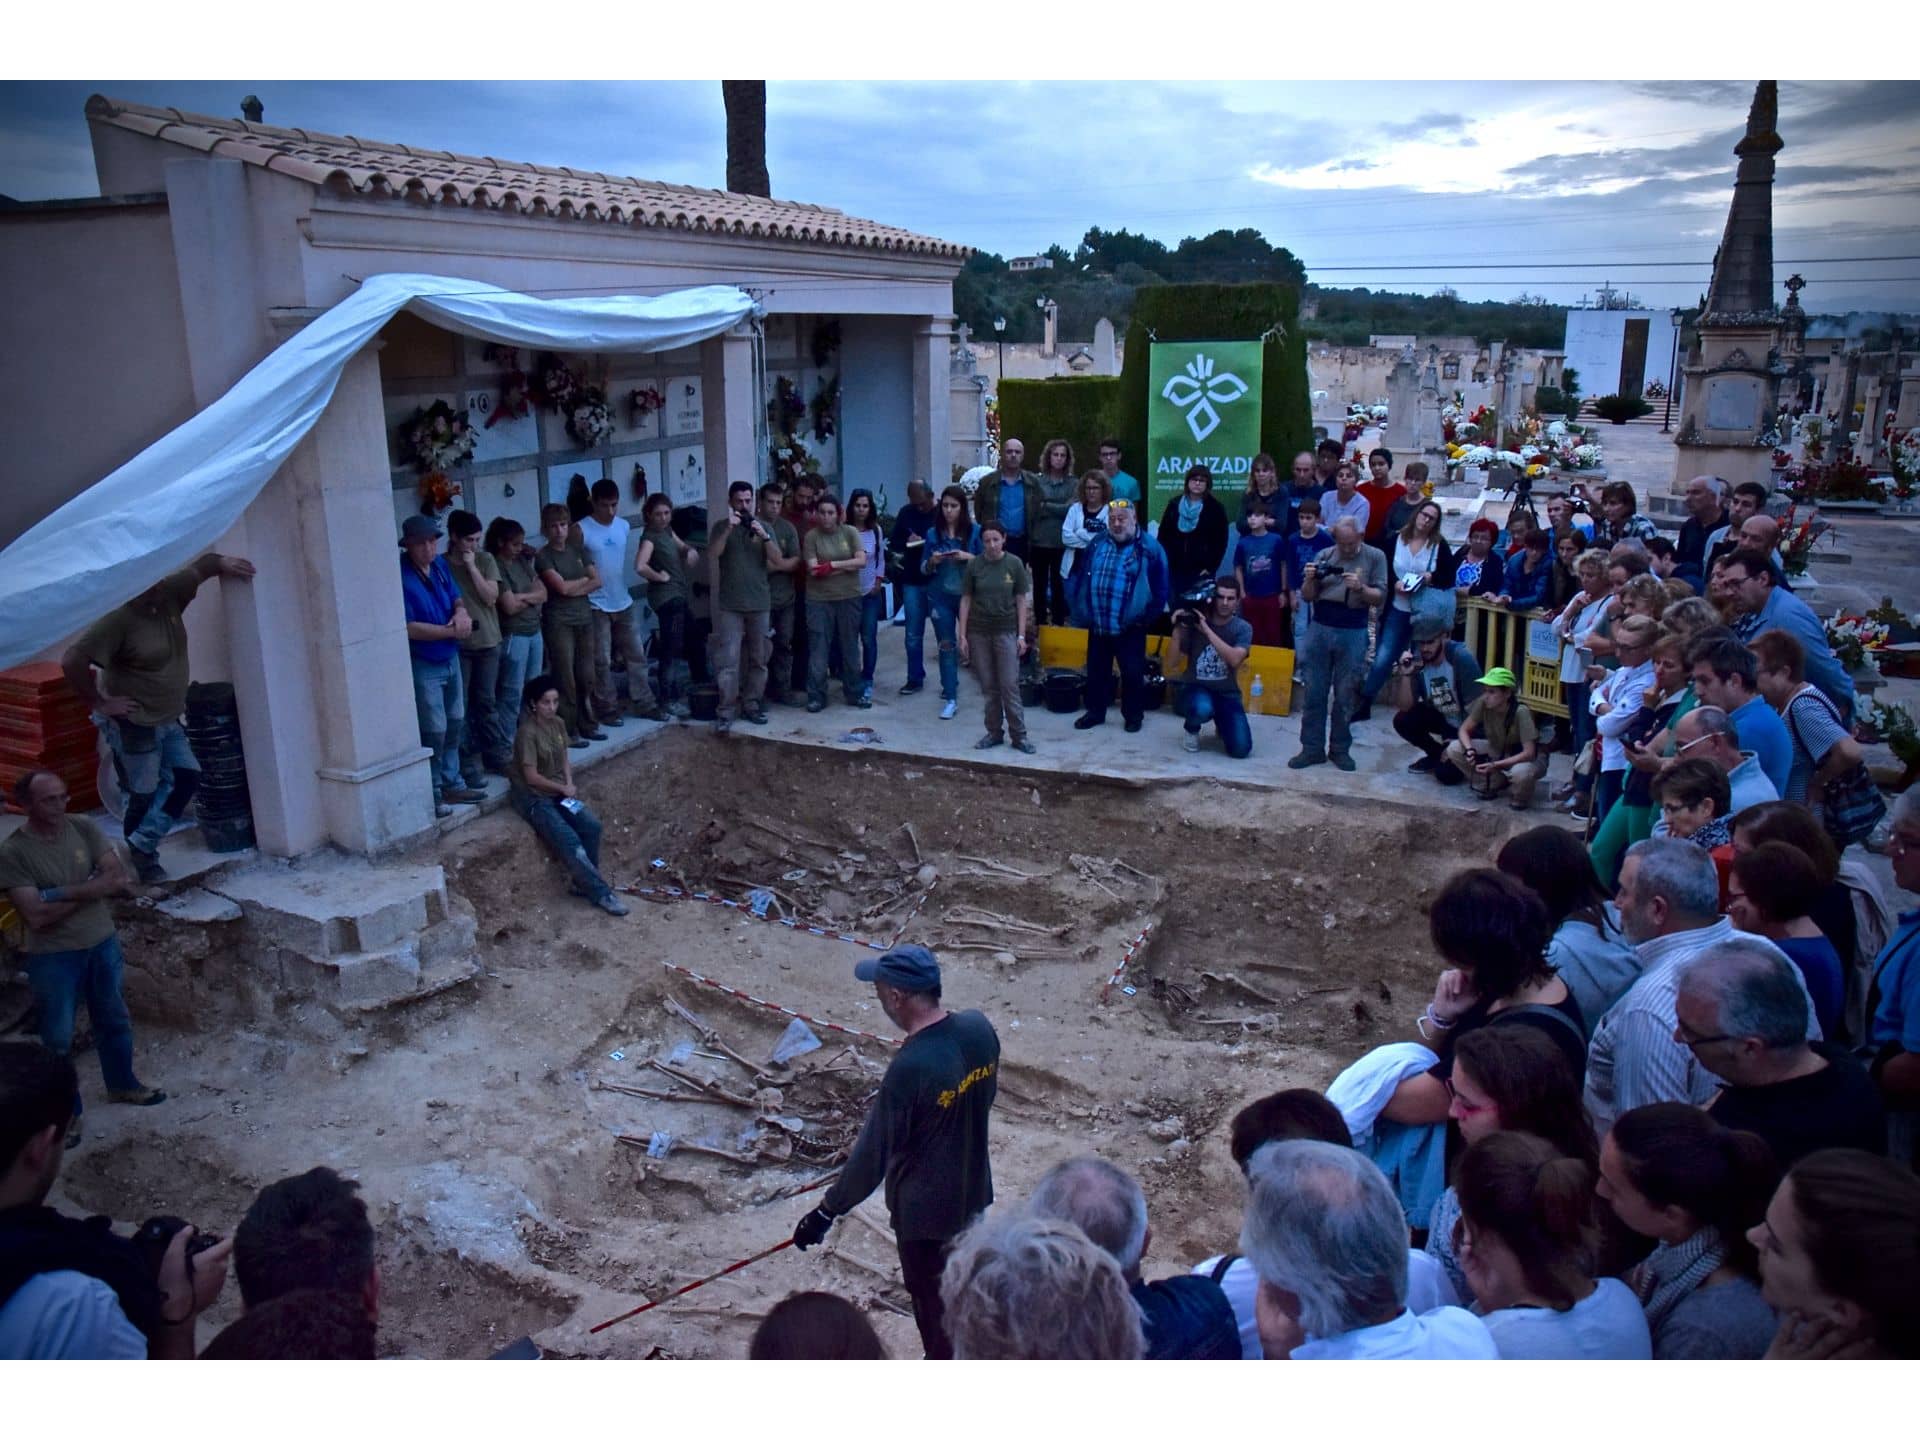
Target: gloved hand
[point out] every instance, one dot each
(822, 568)
(812, 1229)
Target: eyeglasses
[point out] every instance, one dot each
(1693, 1039)
(1697, 740)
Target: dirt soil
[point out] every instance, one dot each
(1288, 936)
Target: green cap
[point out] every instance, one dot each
(1499, 678)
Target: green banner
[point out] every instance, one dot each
(1203, 408)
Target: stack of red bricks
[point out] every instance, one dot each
(44, 725)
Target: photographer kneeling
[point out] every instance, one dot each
(1209, 633)
(1431, 688)
(543, 793)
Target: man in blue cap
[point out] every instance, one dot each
(926, 1135)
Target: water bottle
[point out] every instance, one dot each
(1258, 690)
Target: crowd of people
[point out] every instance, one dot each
(1661, 1103)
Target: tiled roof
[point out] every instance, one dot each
(380, 169)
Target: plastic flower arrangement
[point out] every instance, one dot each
(438, 438)
(559, 386)
(1852, 636)
(590, 420)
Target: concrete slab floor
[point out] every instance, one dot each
(911, 725)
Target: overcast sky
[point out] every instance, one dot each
(1389, 174)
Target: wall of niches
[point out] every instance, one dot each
(806, 351)
(522, 462)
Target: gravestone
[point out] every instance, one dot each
(1403, 403)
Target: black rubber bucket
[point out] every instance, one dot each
(222, 805)
(1065, 691)
(704, 701)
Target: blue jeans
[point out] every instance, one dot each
(572, 835)
(1332, 659)
(873, 609)
(155, 798)
(521, 657)
(59, 979)
(945, 610)
(919, 607)
(440, 700)
(1396, 630)
(1229, 717)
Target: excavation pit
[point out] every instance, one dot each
(1285, 934)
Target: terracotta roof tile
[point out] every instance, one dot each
(381, 169)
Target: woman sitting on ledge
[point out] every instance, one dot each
(544, 794)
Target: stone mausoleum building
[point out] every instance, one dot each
(212, 240)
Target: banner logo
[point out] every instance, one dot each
(1198, 390)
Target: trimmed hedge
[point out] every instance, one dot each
(1220, 312)
(1080, 409)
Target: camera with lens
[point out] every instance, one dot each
(153, 1238)
(1194, 600)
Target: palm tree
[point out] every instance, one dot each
(746, 102)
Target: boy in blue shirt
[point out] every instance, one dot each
(1259, 563)
(1301, 547)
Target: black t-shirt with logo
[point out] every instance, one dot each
(926, 1134)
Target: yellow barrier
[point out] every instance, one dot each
(1065, 647)
(1499, 636)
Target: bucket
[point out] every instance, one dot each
(1065, 691)
(704, 701)
(1033, 692)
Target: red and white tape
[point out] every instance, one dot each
(781, 1009)
(1126, 958)
(912, 911)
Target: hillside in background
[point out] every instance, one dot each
(1100, 275)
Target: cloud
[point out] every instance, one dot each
(1431, 125)
(1715, 94)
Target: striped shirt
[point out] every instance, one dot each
(1634, 1059)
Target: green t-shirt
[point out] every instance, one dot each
(486, 618)
(541, 743)
(669, 559)
(743, 573)
(517, 575)
(67, 859)
(569, 562)
(779, 582)
(143, 650)
(1507, 734)
(995, 588)
(841, 543)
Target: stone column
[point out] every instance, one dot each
(932, 401)
(733, 447)
(339, 686)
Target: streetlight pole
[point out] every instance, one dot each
(1000, 339)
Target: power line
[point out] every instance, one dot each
(1615, 265)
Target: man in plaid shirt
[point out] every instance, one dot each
(1122, 589)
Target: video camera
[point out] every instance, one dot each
(1189, 603)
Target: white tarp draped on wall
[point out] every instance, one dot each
(176, 497)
